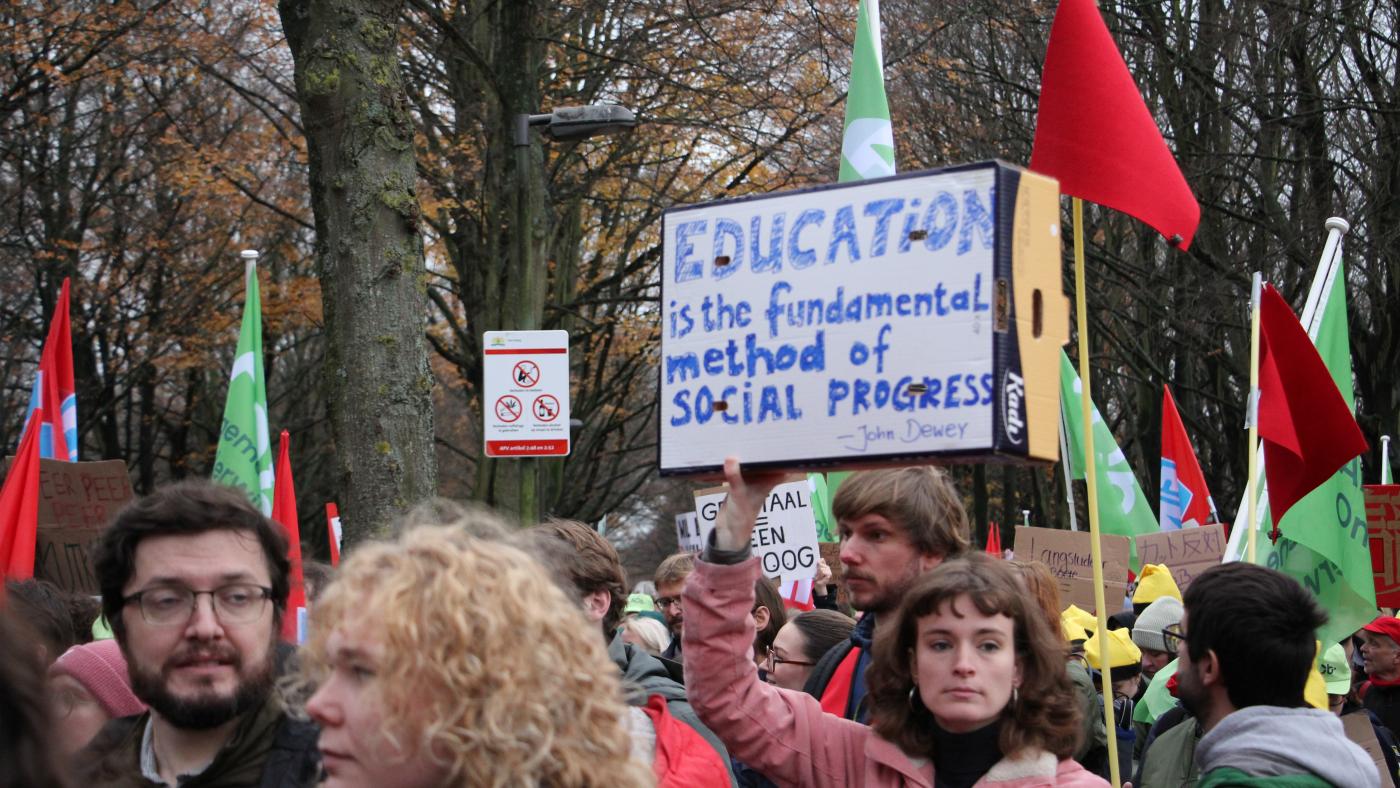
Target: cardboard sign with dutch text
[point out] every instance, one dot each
(1186, 551)
(785, 538)
(1383, 530)
(1359, 729)
(76, 502)
(1068, 554)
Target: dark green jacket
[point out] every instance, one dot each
(1227, 777)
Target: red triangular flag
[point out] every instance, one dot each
(284, 511)
(19, 505)
(54, 391)
(1185, 500)
(1093, 132)
(994, 539)
(1307, 428)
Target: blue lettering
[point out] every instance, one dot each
(681, 400)
(688, 266)
(731, 229)
(975, 217)
(940, 233)
(882, 210)
(843, 231)
(799, 257)
(773, 261)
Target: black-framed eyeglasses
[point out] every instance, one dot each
(235, 603)
(772, 661)
(1172, 638)
(663, 602)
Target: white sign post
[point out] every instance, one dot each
(525, 393)
(785, 537)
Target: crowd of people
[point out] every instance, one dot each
(467, 652)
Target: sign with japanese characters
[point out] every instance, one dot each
(1186, 552)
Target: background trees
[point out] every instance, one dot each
(144, 143)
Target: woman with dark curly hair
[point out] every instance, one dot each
(967, 684)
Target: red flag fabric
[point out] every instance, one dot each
(1094, 133)
(797, 594)
(994, 539)
(1185, 500)
(333, 532)
(1307, 428)
(284, 511)
(19, 506)
(54, 391)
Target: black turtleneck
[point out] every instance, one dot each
(960, 759)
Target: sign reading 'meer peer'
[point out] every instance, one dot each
(918, 316)
(525, 402)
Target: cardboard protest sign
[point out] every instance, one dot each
(1383, 530)
(1068, 554)
(76, 501)
(688, 533)
(908, 318)
(785, 538)
(1187, 551)
(1359, 729)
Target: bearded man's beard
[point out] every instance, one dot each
(203, 711)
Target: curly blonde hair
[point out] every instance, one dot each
(488, 668)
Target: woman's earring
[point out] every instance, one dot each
(914, 697)
(1015, 696)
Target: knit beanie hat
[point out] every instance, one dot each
(1159, 615)
(101, 669)
(1124, 657)
(1154, 583)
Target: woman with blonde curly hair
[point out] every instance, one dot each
(446, 659)
(966, 683)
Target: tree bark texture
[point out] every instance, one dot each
(359, 136)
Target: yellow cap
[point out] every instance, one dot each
(1315, 691)
(1155, 581)
(1122, 651)
(1075, 620)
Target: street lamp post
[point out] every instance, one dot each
(564, 124)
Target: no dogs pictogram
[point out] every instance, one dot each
(546, 407)
(508, 408)
(526, 374)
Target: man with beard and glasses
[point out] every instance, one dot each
(1246, 646)
(194, 582)
(894, 525)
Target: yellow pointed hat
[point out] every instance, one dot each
(1076, 623)
(1155, 582)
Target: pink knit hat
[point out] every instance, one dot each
(101, 669)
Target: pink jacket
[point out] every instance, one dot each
(784, 734)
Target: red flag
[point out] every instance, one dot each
(284, 511)
(19, 506)
(797, 594)
(994, 539)
(1307, 428)
(1094, 133)
(333, 532)
(1185, 500)
(54, 391)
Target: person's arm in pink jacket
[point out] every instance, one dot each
(782, 734)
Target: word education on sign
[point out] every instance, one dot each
(881, 321)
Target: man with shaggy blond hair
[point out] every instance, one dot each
(895, 524)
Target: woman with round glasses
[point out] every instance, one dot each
(966, 680)
(801, 643)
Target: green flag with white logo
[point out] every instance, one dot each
(1324, 544)
(1123, 509)
(867, 144)
(244, 457)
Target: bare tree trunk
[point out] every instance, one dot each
(359, 137)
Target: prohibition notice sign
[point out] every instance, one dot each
(526, 367)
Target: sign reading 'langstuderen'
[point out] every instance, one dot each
(880, 321)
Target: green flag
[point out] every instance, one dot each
(1123, 509)
(244, 457)
(867, 144)
(1386, 476)
(1324, 545)
(823, 491)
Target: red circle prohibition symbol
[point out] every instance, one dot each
(525, 374)
(508, 408)
(546, 407)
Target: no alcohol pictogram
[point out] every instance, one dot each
(508, 408)
(546, 407)
(526, 374)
